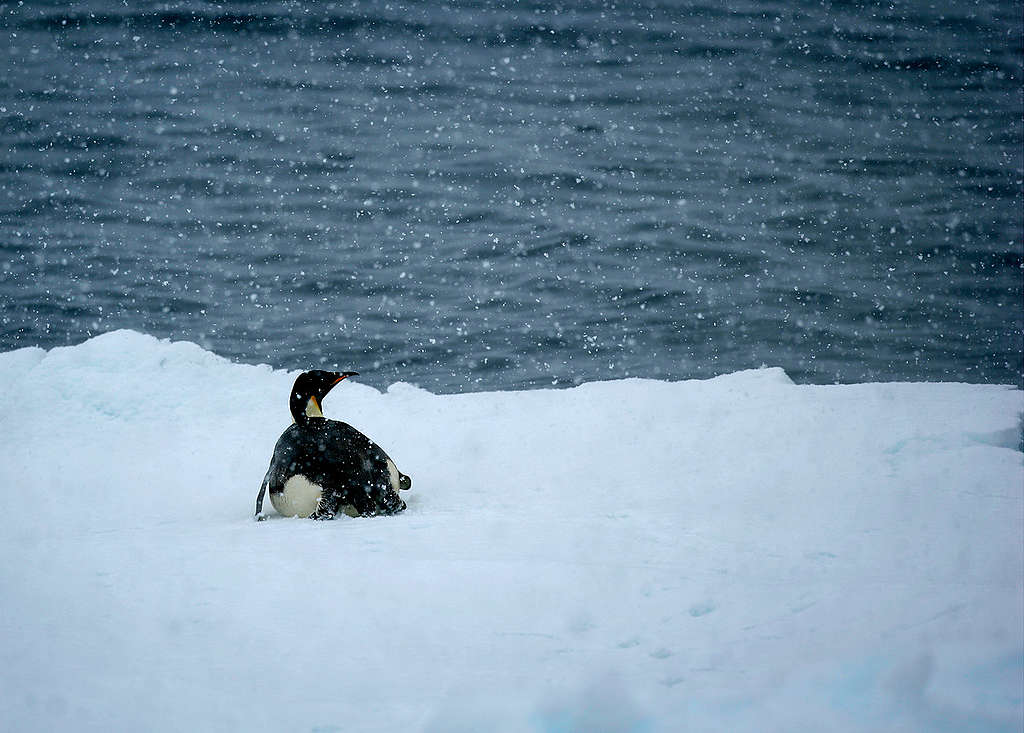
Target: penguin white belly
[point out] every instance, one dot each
(300, 497)
(393, 475)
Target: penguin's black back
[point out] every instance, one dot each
(351, 469)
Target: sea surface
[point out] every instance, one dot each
(487, 195)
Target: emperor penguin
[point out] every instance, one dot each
(323, 467)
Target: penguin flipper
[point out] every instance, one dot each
(358, 500)
(260, 516)
(387, 501)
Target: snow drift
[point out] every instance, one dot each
(736, 553)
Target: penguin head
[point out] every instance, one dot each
(309, 390)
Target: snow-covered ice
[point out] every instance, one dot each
(738, 553)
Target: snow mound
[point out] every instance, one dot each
(738, 553)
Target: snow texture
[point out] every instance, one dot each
(739, 553)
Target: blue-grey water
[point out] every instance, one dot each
(489, 195)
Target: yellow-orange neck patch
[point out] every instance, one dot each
(313, 408)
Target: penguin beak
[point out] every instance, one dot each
(344, 375)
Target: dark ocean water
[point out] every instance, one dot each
(471, 196)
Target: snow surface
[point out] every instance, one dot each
(739, 553)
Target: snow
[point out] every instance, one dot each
(737, 553)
